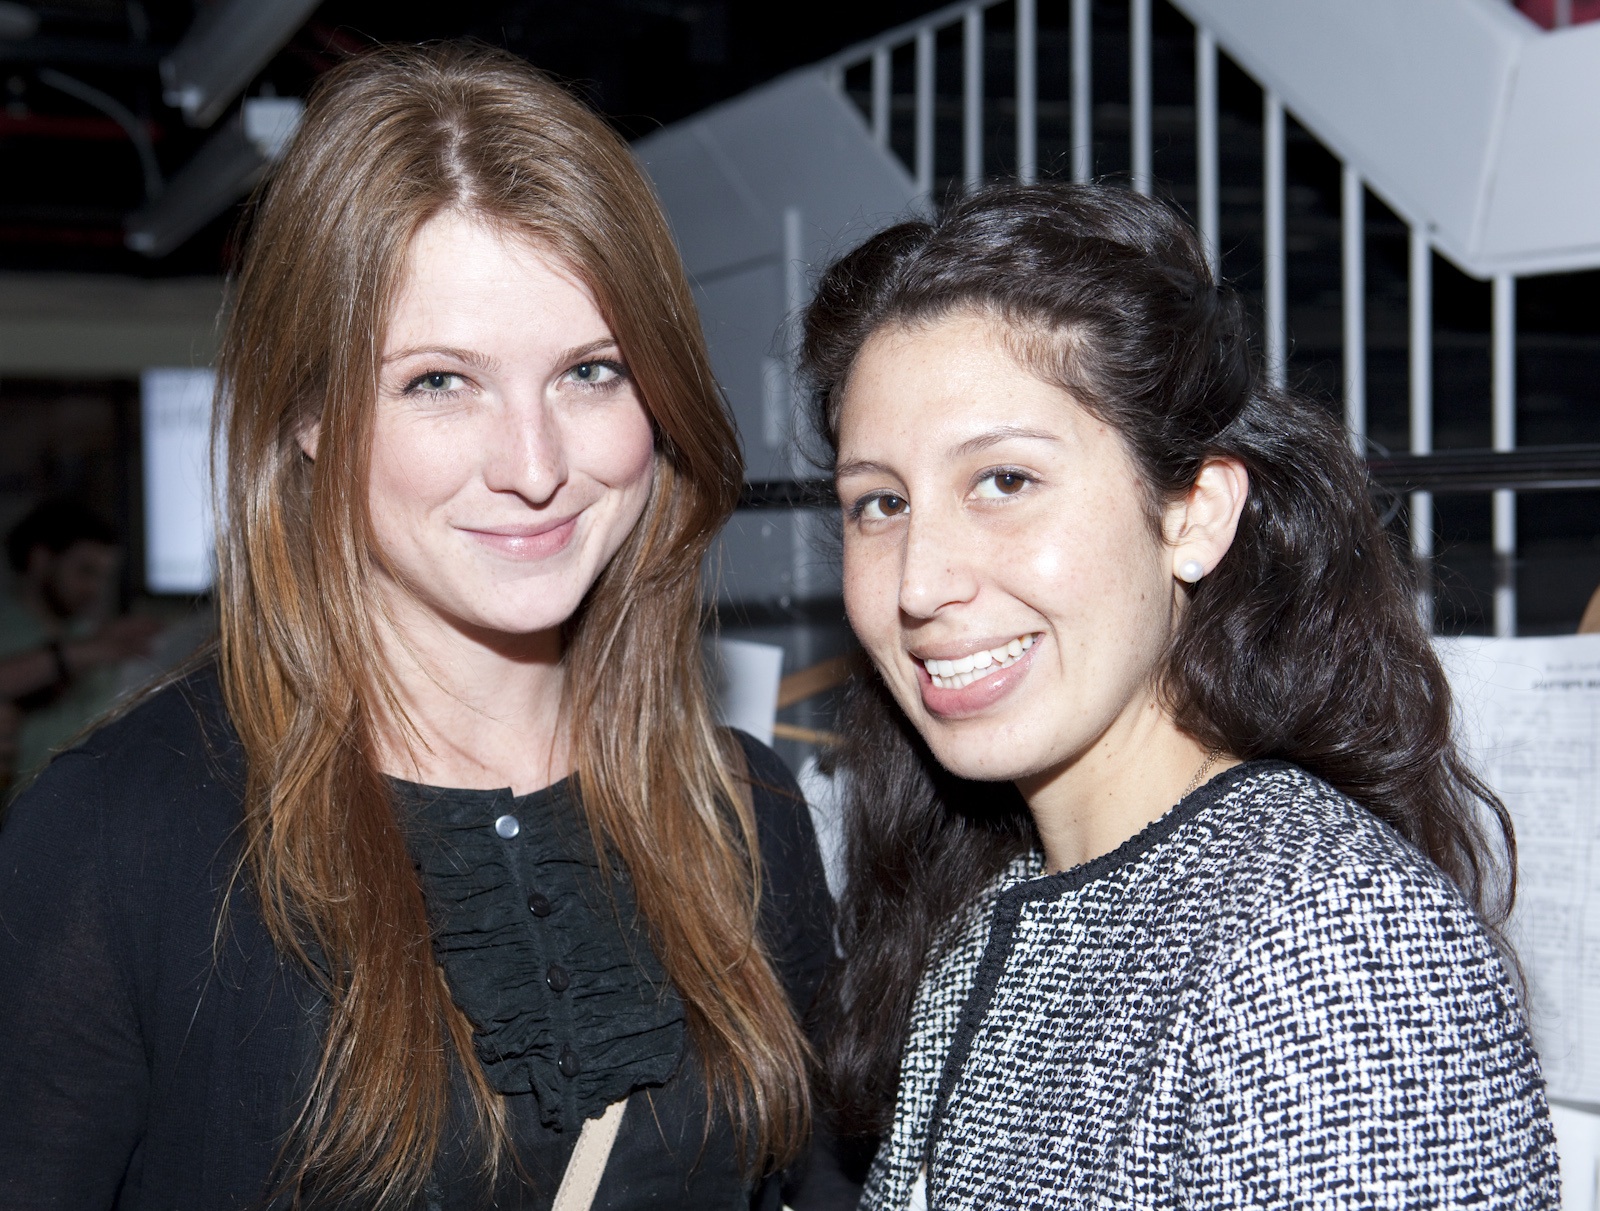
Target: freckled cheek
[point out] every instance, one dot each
(871, 591)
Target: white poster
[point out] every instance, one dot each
(1530, 716)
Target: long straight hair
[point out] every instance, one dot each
(389, 141)
(1302, 644)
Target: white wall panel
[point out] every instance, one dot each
(1464, 116)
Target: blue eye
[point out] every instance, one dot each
(595, 374)
(437, 382)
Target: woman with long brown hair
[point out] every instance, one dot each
(1167, 886)
(439, 886)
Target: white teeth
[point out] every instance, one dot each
(964, 670)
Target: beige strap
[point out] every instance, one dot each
(588, 1161)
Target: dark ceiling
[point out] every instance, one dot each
(73, 175)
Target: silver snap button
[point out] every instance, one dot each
(507, 827)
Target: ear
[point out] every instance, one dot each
(1200, 527)
(308, 436)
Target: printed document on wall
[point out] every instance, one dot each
(1529, 710)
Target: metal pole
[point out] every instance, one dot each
(1504, 423)
(1275, 268)
(972, 99)
(803, 566)
(881, 73)
(1082, 92)
(1422, 412)
(1353, 223)
(1139, 102)
(1027, 93)
(924, 117)
(1208, 170)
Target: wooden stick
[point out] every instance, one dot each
(828, 675)
(805, 735)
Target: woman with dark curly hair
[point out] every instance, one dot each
(1167, 884)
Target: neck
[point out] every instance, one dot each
(1132, 775)
(484, 709)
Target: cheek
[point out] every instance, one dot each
(615, 447)
(871, 589)
(417, 465)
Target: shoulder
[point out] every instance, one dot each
(176, 735)
(1299, 847)
(164, 776)
(796, 911)
(1348, 926)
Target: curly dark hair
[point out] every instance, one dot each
(1303, 644)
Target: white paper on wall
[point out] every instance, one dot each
(746, 677)
(176, 428)
(1529, 712)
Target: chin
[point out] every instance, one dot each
(973, 758)
(534, 620)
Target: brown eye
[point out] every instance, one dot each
(1002, 483)
(880, 508)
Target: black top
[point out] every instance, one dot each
(148, 1061)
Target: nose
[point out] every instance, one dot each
(935, 572)
(525, 450)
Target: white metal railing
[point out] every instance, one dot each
(877, 55)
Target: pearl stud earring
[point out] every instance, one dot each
(1190, 571)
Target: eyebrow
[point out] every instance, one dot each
(471, 356)
(983, 441)
(483, 361)
(862, 467)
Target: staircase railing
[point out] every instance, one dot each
(968, 21)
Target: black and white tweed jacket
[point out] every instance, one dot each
(1265, 999)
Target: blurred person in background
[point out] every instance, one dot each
(60, 644)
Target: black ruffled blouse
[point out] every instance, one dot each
(543, 950)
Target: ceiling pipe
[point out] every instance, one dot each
(138, 133)
(222, 52)
(221, 173)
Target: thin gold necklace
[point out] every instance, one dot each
(1199, 774)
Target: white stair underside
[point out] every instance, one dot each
(1461, 114)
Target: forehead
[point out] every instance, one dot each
(458, 258)
(933, 380)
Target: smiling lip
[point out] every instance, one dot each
(528, 541)
(978, 696)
